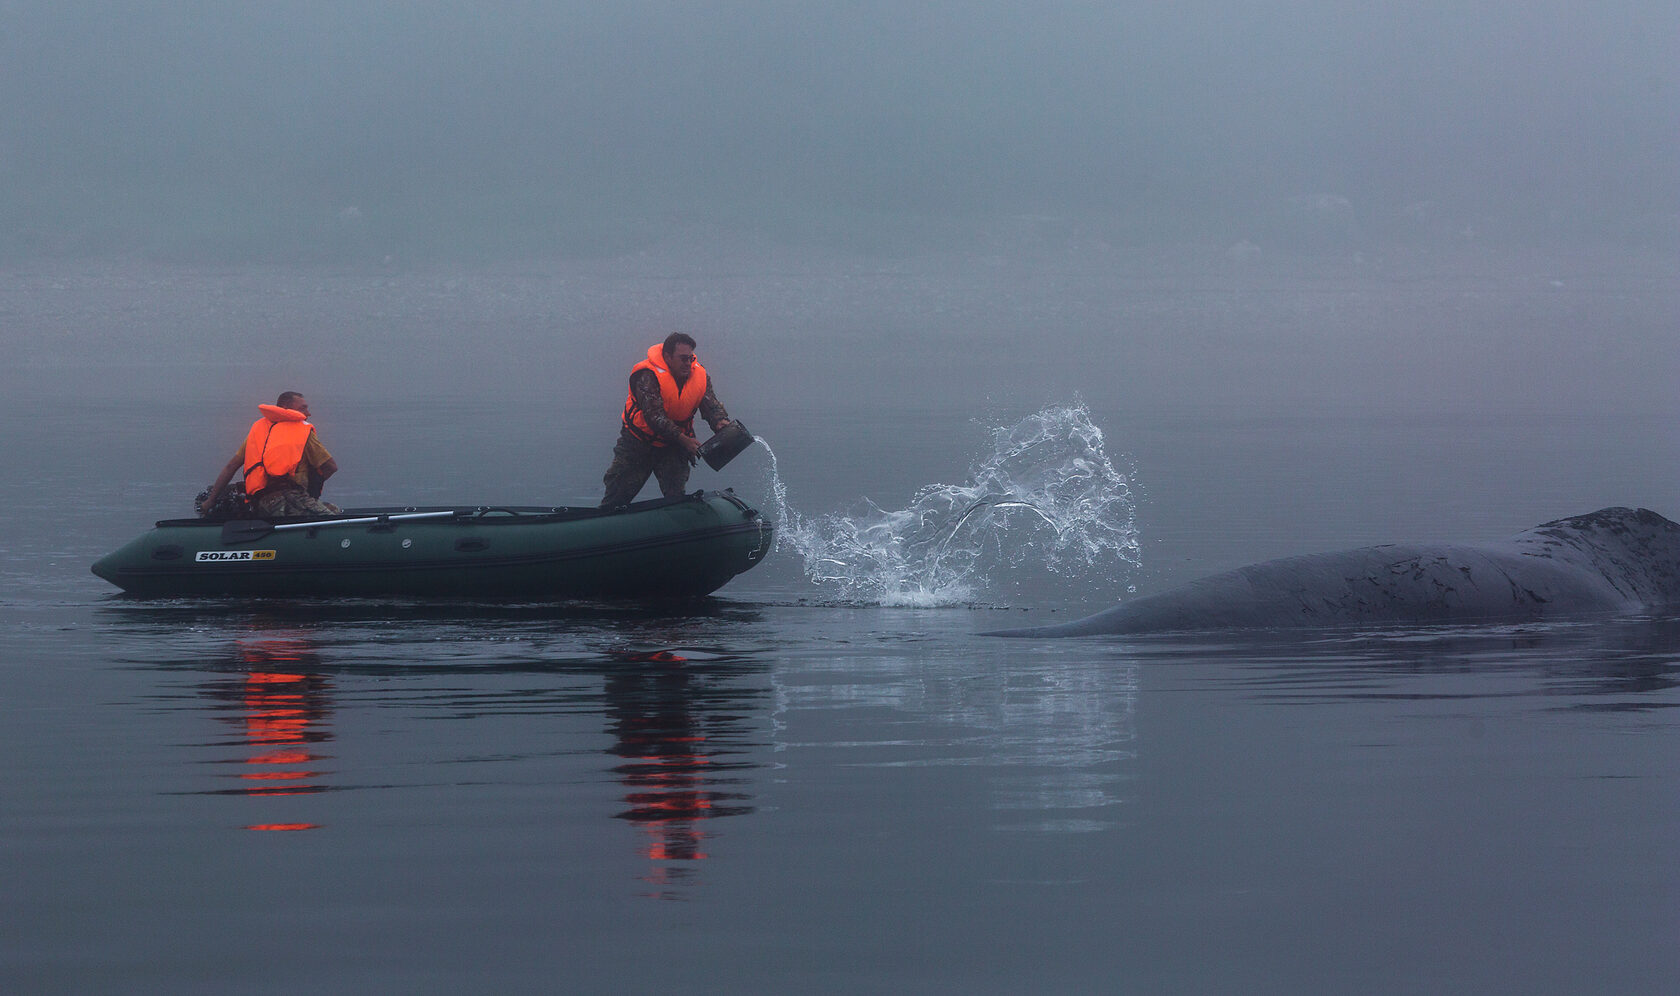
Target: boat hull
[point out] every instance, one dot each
(680, 547)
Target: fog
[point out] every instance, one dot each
(325, 130)
(1238, 205)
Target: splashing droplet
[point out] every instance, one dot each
(1046, 496)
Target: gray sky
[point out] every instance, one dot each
(277, 129)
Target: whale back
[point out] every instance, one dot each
(1634, 550)
(1612, 560)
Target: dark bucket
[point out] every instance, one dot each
(725, 445)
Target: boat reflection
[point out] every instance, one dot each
(687, 721)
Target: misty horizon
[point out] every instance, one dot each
(319, 132)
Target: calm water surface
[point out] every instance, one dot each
(776, 790)
(751, 794)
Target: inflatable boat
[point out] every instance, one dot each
(669, 547)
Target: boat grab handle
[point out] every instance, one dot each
(361, 521)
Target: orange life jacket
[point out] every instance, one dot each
(680, 403)
(274, 446)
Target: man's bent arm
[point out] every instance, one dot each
(222, 480)
(712, 410)
(645, 386)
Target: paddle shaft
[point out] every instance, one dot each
(360, 521)
(251, 530)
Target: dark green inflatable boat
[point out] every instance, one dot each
(669, 547)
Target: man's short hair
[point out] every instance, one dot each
(286, 398)
(675, 339)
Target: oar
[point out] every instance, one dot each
(249, 530)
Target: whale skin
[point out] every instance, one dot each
(1612, 561)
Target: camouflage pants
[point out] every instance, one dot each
(281, 502)
(633, 460)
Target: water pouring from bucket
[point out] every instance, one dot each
(1046, 499)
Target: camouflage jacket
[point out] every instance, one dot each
(644, 386)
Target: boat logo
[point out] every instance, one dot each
(233, 556)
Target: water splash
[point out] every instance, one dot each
(1047, 496)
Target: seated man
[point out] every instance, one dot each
(284, 463)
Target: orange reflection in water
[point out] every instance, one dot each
(669, 766)
(282, 713)
(669, 805)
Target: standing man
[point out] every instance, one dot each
(657, 435)
(284, 463)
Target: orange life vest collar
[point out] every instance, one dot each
(275, 413)
(274, 446)
(680, 403)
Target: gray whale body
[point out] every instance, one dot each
(1615, 560)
